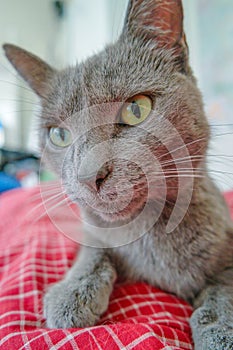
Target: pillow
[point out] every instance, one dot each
(34, 255)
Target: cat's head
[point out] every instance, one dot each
(126, 126)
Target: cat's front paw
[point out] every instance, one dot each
(71, 306)
(209, 332)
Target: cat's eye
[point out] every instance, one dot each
(136, 110)
(60, 137)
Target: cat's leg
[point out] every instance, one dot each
(212, 321)
(83, 295)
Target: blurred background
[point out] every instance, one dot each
(66, 31)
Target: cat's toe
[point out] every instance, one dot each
(214, 338)
(209, 332)
(68, 308)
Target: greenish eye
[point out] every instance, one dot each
(60, 137)
(136, 110)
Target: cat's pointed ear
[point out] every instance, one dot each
(32, 69)
(160, 21)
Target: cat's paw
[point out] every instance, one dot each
(71, 306)
(209, 332)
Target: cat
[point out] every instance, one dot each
(127, 133)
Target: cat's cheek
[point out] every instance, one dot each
(78, 193)
(54, 161)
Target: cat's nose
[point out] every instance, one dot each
(94, 181)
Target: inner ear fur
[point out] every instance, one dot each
(160, 21)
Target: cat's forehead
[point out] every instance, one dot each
(118, 72)
(121, 71)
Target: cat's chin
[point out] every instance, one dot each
(109, 208)
(126, 215)
(111, 218)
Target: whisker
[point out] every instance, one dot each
(193, 170)
(17, 77)
(224, 124)
(46, 212)
(182, 160)
(19, 111)
(179, 176)
(46, 193)
(50, 185)
(220, 155)
(191, 143)
(17, 85)
(20, 100)
(182, 147)
(219, 172)
(222, 134)
(43, 202)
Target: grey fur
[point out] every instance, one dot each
(195, 260)
(83, 294)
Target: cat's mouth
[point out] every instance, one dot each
(124, 211)
(114, 203)
(116, 191)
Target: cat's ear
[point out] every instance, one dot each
(36, 72)
(160, 21)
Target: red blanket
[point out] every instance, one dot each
(33, 255)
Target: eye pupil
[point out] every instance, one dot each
(135, 109)
(62, 134)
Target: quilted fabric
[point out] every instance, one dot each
(33, 255)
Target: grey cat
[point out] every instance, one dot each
(127, 132)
